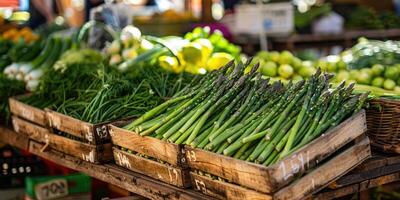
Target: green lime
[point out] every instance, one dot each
(263, 55)
(342, 76)
(269, 69)
(307, 71)
(377, 69)
(297, 78)
(363, 78)
(377, 82)
(273, 56)
(307, 63)
(296, 64)
(392, 73)
(285, 58)
(368, 71)
(285, 71)
(397, 89)
(389, 84)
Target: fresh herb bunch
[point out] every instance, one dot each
(95, 94)
(247, 117)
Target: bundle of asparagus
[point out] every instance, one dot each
(247, 117)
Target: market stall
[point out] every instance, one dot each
(190, 116)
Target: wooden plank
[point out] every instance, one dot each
(25, 111)
(326, 173)
(377, 161)
(163, 172)
(365, 175)
(16, 139)
(71, 126)
(92, 133)
(33, 131)
(149, 146)
(358, 187)
(110, 173)
(223, 190)
(87, 152)
(310, 155)
(247, 174)
(270, 179)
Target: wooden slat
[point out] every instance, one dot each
(326, 173)
(377, 161)
(71, 125)
(310, 155)
(87, 152)
(358, 187)
(33, 131)
(223, 190)
(271, 179)
(247, 174)
(27, 112)
(149, 146)
(115, 175)
(365, 175)
(16, 139)
(169, 174)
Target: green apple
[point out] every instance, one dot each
(377, 69)
(392, 73)
(269, 69)
(285, 71)
(296, 64)
(377, 82)
(363, 78)
(307, 71)
(285, 58)
(274, 56)
(389, 84)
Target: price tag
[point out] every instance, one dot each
(51, 189)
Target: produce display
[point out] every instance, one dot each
(244, 116)
(284, 65)
(373, 65)
(15, 34)
(198, 52)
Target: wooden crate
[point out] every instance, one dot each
(315, 179)
(173, 171)
(27, 112)
(88, 152)
(95, 134)
(270, 179)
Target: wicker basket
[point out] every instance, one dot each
(383, 122)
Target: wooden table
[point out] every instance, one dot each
(378, 170)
